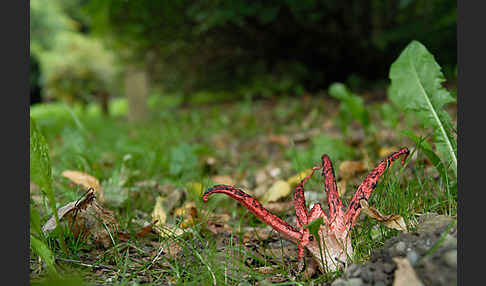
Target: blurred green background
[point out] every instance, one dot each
(85, 51)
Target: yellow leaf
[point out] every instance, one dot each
(295, 180)
(159, 213)
(385, 151)
(279, 189)
(85, 180)
(188, 212)
(341, 185)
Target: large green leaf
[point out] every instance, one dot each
(416, 86)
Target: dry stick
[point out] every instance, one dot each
(85, 264)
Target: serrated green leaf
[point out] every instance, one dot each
(416, 80)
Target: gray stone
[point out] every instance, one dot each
(413, 257)
(355, 282)
(354, 270)
(389, 268)
(450, 242)
(400, 247)
(339, 282)
(450, 258)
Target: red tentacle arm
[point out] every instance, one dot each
(299, 200)
(335, 204)
(256, 208)
(369, 184)
(302, 214)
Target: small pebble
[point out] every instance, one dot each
(413, 257)
(451, 258)
(388, 268)
(450, 242)
(354, 270)
(355, 282)
(339, 282)
(400, 247)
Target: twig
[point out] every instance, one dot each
(85, 264)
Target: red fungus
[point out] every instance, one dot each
(334, 233)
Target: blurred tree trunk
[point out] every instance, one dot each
(104, 99)
(136, 91)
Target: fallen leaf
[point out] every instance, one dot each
(85, 180)
(168, 230)
(146, 229)
(296, 179)
(341, 186)
(222, 180)
(164, 205)
(391, 221)
(347, 169)
(85, 217)
(279, 139)
(385, 151)
(188, 213)
(266, 269)
(278, 207)
(279, 189)
(218, 227)
(159, 214)
(405, 274)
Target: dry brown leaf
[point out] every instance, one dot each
(168, 230)
(347, 169)
(265, 269)
(188, 212)
(222, 180)
(405, 274)
(87, 216)
(279, 189)
(146, 229)
(85, 180)
(393, 221)
(279, 139)
(279, 207)
(218, 227)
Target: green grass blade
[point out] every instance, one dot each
(41, 173)
(43, 251)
